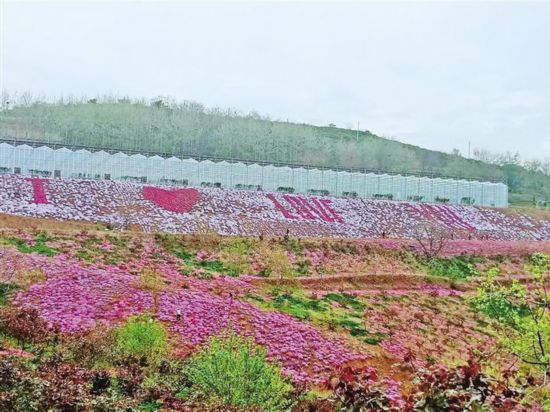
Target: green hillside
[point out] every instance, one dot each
(190, 128)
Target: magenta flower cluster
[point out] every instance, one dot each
(77, 297)
(241, 212)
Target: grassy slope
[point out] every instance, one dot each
(189, 128)
(384, 325)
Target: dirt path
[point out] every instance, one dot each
(381, 282)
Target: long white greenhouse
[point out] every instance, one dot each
(65, 163)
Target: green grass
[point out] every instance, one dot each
(333, 311)
(458, 268)
(234, 371)
(143, 338)
(345, 299)
(6, 289)
(39, 245)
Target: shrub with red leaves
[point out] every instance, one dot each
(52, 386)
(129, 379)
(439, 388)
(25, 325)
(68, 386)
(361, 389)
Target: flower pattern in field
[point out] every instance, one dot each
(425, 324)
(241, 212)
(303, 352)
(77, 297)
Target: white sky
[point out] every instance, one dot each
(434, 74)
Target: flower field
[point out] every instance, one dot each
(345, 321)
(241, 212)
(347, 305)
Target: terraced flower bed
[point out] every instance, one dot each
(243, 212)
(334, 337)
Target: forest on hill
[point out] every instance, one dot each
(190, 129)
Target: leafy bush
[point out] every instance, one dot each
(531, 343)
(460, 267)
(143, 338)
(5, 290)
(51, 386)
(25, 325)
(464, 388)
(539, 264)
(101, 381)
(277, 263)
(92, 348)
(234, 371)
(361, 389)
(129, 379)
(501, 303)
(235, 255)
(525, 310)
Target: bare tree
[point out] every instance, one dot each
(431, 237)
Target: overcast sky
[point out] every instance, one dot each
(434, 74)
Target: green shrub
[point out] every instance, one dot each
(294, 245)
(143, 338)
(333, 310)
(235, 254)
(525, 311)
(5, 290)
(374, 338)
(233, 371)
(460, 267)
(501, 303)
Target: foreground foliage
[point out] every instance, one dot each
(234, 371)
(122, 322)
(464, 388)
(143, 338)
(525, 310)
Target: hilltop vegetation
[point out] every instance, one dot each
(190, 128)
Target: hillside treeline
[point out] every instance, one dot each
(190, 128)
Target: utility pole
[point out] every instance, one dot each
(357, 131)
(469, 145)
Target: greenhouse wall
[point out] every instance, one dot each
(83, 164)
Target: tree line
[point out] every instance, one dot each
(190, 129)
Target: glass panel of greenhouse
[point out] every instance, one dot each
(222, 173)
(239, 176)
(119, 166)
(270, 181)
(399, 185)
(315, 180)
(187, 174)
(155, 170)
(255, 175)
(6, 158)
(329, 182)
(284, 176)
(359, 184)
(47, 162)
(300, 180)
(344, 184)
